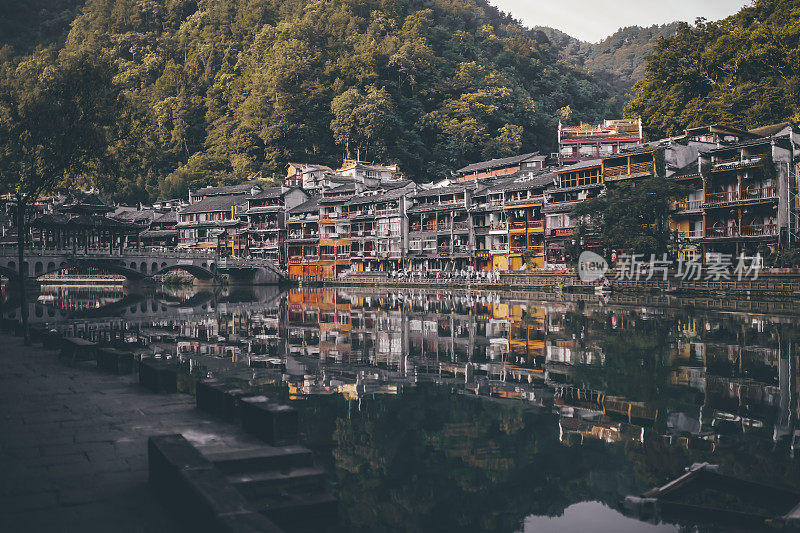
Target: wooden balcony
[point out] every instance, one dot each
(694, 234)
(748, 195)
(634, 169)
(737, 161)
(755, 230)
(687, 205)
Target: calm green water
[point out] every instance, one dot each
(473, 411)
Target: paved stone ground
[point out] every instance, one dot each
(73, 445)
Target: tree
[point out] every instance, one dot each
(56, 117)
(741, 70)
(366, 120)
(633, 216)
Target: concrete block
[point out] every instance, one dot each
(220, 399)
(51, 340)
(246, 522)
(114, 361)
(169, 454)
(158, 376)
(274, 423)
(74, 350)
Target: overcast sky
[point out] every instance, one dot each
(593, 20)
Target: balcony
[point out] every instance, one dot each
(462, 225)
(535, 225)
(444, 226)
(498, 226)
(387, 212)
(687, 205)
(517, 225)
(694, 234)
(634, 169)
(327, 257)
(754, 230)
(737, 161)
(749, 195)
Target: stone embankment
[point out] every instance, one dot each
(783, 283)
(80, 435)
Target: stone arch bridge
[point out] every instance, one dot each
(141, 263)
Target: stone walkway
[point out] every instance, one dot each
(73, 445)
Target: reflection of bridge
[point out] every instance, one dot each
(140, 263)
(134, 309)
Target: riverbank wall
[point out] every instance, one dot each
(783, 283)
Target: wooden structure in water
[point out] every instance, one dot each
(705, 495)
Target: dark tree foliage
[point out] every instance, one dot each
(56, 124)
(742, 70)
(217, 89)
(633, 216)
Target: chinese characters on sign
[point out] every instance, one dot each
(721, 267)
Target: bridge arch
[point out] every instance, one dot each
(38, 268)
(143, 267)
(196, 271)
(51, 266)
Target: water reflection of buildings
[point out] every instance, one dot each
(711, 376)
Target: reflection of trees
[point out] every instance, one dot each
(429, 460)
(636, 363)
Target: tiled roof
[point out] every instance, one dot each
(744, 144)
(309, 206)
(535, 182)
(578, 166)
(772, 129)
(449, 189)
(269, 192)
(216, 203)
(499, 163)
(226, 189)
(377, 198)
(169, 216)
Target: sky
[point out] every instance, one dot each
(594, 20)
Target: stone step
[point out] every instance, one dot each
(276, 482)
(300, 512)
(262, 459)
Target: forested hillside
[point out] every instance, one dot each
(618, 59)
(216, 89)
(26, 24)
(742, 70)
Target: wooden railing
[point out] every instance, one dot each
(625, 170)
(688, 205)
(754, 230)
(694, 234)
(724, 197)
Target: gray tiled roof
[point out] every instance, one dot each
(226, 189)
(309, 206)
(216, 203)
(499, 163)
(582, 164)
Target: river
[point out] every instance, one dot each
(459, 410)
